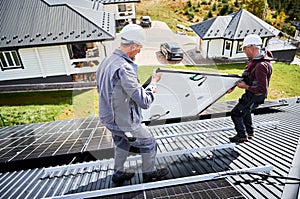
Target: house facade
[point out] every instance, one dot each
(124, 10)
(51, 40)
(297, 32)
(222, 37)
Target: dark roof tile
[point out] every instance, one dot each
(33, 21)
(231, 26)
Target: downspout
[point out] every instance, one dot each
(223, 50)
(104, 47)
(207, 49)
(231, 48)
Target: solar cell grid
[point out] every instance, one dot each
(220, 188)
(87, 134)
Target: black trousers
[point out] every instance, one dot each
(241, 113)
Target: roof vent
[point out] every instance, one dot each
(94, 31)
(43, 38)
(3, 37)
(49, 34)
(8, 41)
(77, 36)
(15, 36)
(20, 40)
(72, 32)
(66, 37)
(89, 35)
(26, 36)
(60, 33)
(100, 34)
(31, 39)
(82, 31)
(55, 38)
(38, 34)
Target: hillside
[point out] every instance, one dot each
(188, 12)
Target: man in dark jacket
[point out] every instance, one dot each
(121, 99)
(256, 80)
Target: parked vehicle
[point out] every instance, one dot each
(145, 21)
(172, 51)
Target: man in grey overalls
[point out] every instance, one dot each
(121, 98)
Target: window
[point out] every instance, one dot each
(129, 8)
(122, 8)
(239, 47)
(84, 54)
(227, 45)
(10, 60)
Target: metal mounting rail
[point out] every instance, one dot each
(262, 124)
(164, 183)
(137, 157)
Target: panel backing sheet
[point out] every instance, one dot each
(183, 93)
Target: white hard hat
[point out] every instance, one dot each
(252, 40)
(133, 33)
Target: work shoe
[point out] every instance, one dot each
(155, 175)
(238, 139)
(120, 176)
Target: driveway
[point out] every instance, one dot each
(150, 54)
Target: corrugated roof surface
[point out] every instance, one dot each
(38, 22)
(276, 145)
(234, 27)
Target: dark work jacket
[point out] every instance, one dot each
(258, 72)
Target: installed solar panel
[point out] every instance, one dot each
(59, 142)
(220, 188)
(59, 138)
(183, 93)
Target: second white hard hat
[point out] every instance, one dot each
(133, 33)
(252, 40)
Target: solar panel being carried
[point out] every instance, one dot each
(185, 93)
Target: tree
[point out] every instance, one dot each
(256, 7)
(281, 17)
(224, 10)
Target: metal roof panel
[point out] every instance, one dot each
(234, 26)
(34, 22)
(276, 143)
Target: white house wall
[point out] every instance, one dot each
(39, 62)
(113, 8)
(216, 49)
(52, 61)
(29, 58)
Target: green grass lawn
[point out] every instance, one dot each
(44, 106)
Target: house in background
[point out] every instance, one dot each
(44, 41)
(297, 33)
(222, 37)
(124, 10)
